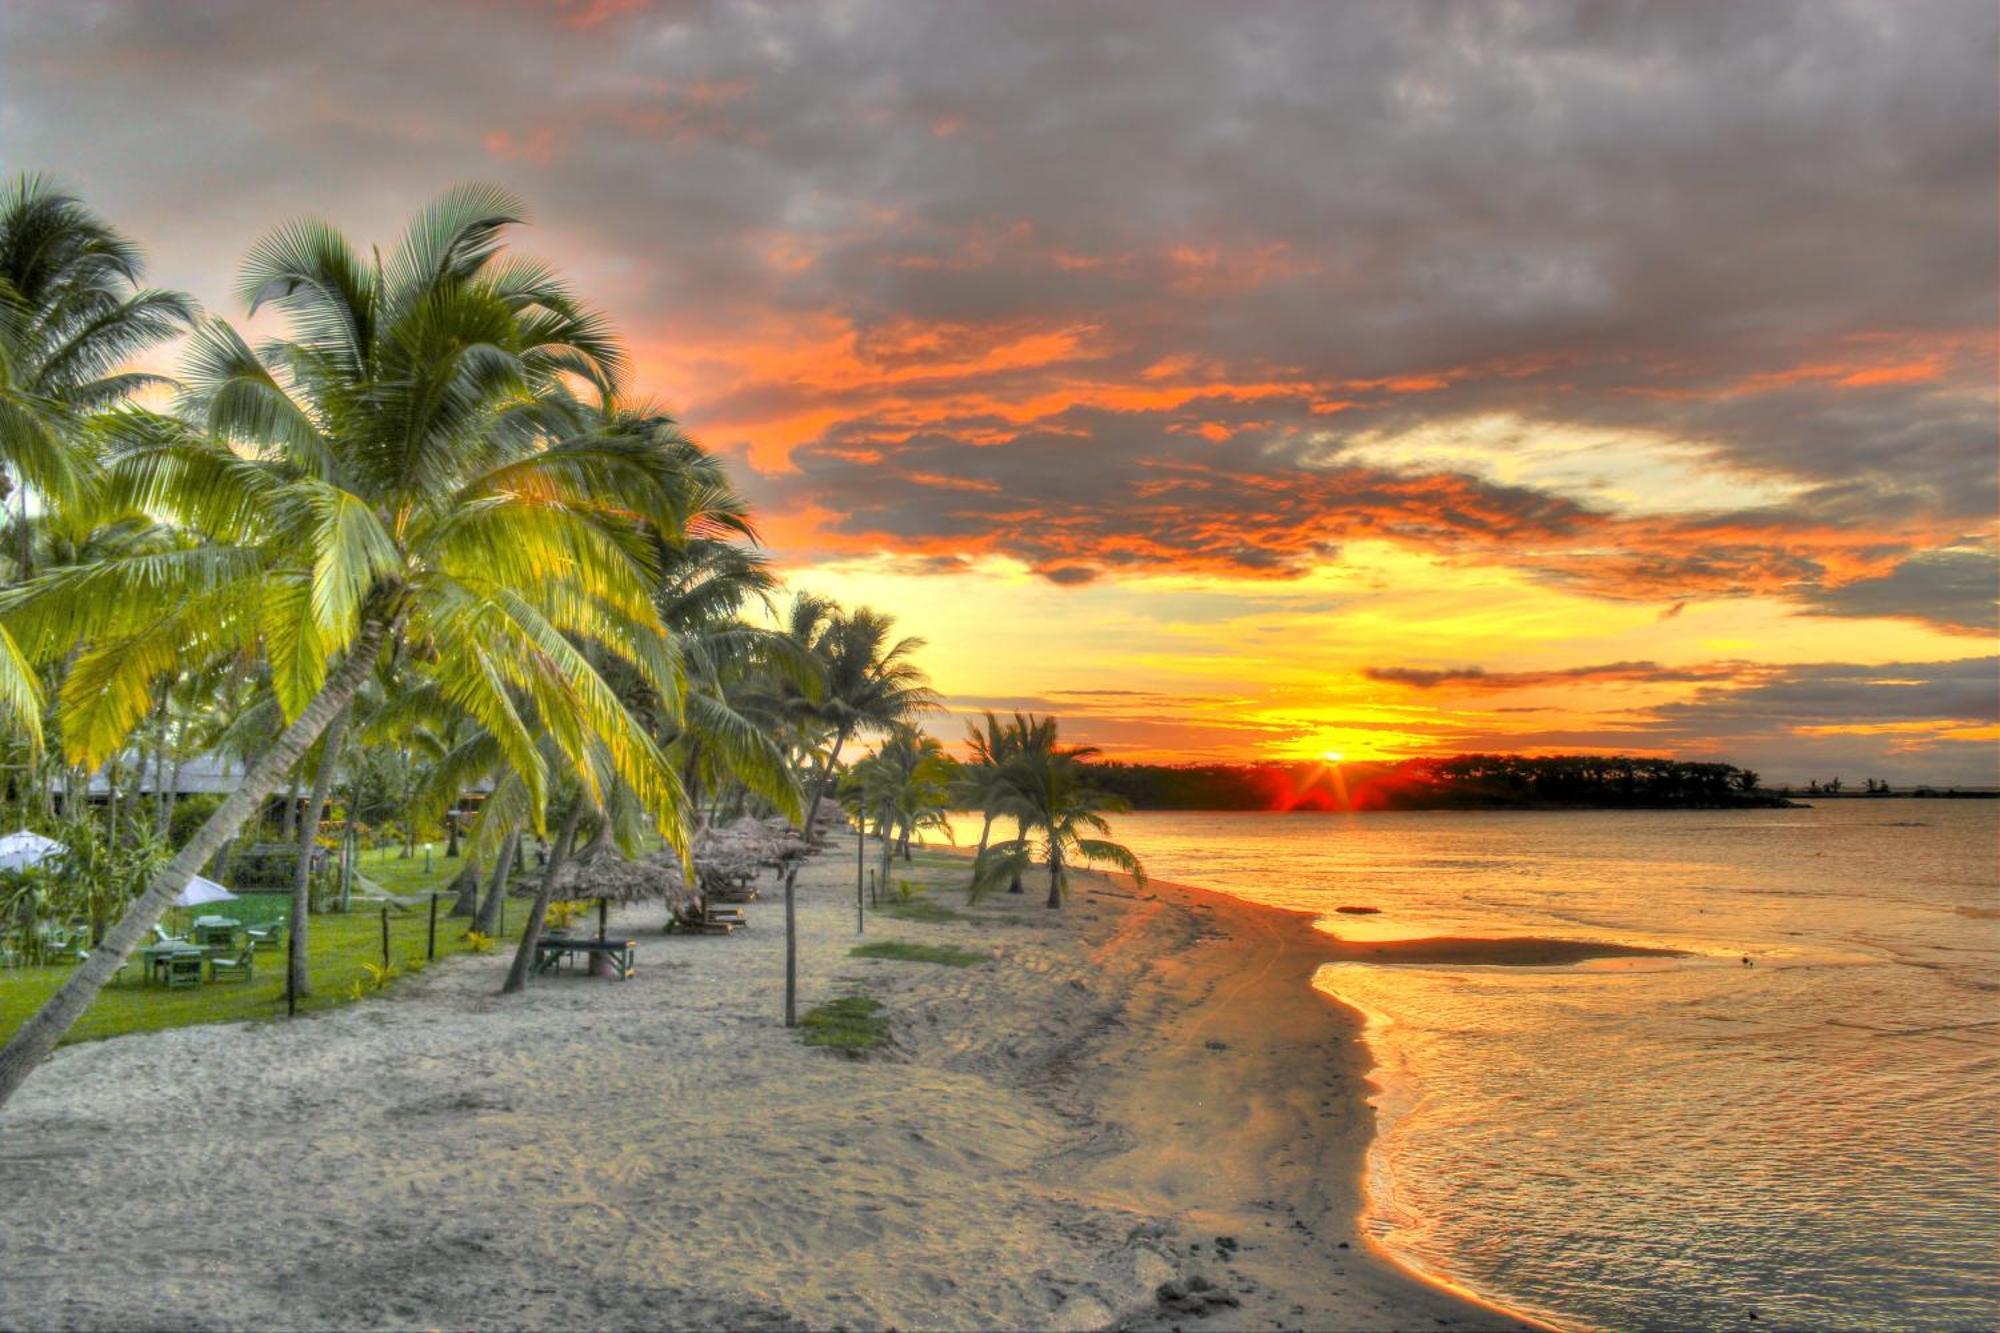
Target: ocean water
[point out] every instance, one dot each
(1640, 1143)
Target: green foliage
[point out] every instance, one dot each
(190, 813)
(475, 942)
(947, 955)
(380, 975)
(265, 865)
(853, 1024)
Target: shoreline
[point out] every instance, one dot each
(1140, 1114)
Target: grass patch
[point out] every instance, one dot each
(903, 951)
(919, 909)
(853, 1023)
(340, 948)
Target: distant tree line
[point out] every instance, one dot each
(1459, 782)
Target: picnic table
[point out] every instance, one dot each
(174, 962)
(605, 958)
(215, 932)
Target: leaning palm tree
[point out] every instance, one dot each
(417, 473)
(72, 312)
(1052, 797)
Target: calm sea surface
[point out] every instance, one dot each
(1641, 1143)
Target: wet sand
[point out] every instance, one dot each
(1138, 1114)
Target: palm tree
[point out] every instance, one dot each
(72, 311)
(866, 682)
(907, 785)
(980, 785)
(1052, 797)
(420, 474)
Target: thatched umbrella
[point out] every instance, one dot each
(603, 873)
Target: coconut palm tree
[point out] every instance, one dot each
(417, 472)
(907, 785)
(867, 682)
(72, 312)
(1052, 797)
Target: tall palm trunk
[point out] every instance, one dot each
(820, 785)
(111, 790)
(524, 957)
(38, 1036)
(466, 886)
(173, 795)
(1055, 873)
(288, 818)
(489, 911)
(329, 759)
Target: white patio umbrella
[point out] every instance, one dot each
(22, 849)
(200, 890)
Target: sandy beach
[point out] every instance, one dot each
(1140, 1095)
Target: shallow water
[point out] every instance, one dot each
(1636, 1143)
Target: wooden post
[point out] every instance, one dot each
(791, 946)
(603, 915)
(431, 948)
(860, 857)
(385, 935)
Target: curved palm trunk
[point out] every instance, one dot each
(531, 935)
(1055, 874)
(489, 911)
(466, 886)
(299, 986)
(985, 835)
(821, 783)
(38, 1036)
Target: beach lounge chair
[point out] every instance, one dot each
(270, 934)
(239, 968)
(183, 970)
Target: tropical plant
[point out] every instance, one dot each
(867, 681)
(1061, 814)
(411, 465)
(72, 312)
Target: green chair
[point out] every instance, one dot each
(239, 968)
(183, 970)
(270, 933)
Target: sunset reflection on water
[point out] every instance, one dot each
(1638, 1141)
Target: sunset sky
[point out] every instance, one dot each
(1232, 380)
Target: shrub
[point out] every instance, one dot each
(266, 865)
(190, 813)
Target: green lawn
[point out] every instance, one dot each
(339, 946)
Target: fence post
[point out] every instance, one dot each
(385, 935)
(431, 948)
